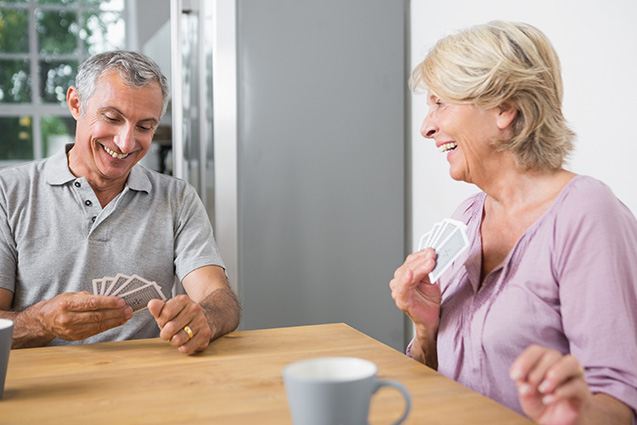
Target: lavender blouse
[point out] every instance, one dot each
(569, 283)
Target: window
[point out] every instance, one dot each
(42, 42)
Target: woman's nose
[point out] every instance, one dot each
(428, 128)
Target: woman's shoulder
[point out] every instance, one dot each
(471, 207)
(588, 204)
(588, 194)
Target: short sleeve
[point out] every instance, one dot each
(596, 259)
(8, 252)
(195, 245)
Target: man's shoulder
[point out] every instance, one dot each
(163, 183)
(26, 171)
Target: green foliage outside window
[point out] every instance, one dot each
(64, 38)
(54, 129)
(14, 31)
(57, 32)
(17, 138)
(15, 84)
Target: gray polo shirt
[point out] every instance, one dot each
(55, 237)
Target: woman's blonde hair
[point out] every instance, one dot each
(505, 63)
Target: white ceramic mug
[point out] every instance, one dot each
(335, 390)
(6, 336)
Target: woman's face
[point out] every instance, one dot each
(466, 133)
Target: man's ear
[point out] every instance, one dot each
(73, 101)
(506, 115)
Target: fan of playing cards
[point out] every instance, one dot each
(135, 290)
(449, 239)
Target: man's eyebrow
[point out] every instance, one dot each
(114, 109)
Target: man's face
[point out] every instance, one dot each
(115, 129)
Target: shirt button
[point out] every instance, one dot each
(88, 203)
(77, 184)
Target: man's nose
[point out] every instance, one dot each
(125, 139)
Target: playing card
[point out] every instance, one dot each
(132, 283)
(97, 284)
(119, 280)
(106, 282)
(138, 298)
(448, 251)
(447, 228)
(434, 233)
(424, 241)
(449, 239)
(135, 290)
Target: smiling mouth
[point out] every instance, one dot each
(115, 154)
(447, 147)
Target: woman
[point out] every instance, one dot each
(540, 313)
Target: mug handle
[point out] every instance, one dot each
(400, 387)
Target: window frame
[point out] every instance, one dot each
(37, 109)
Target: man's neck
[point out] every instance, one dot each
(106, 190)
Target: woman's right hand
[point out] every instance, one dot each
(415, 295)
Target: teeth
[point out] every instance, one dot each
(115, 154)
(447, 147)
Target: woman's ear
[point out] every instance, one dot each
(506, 115)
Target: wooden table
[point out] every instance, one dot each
(236, 380)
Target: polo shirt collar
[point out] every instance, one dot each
(138, 180)
(56, 168)
(58, 173)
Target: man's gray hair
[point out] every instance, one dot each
(136, 69)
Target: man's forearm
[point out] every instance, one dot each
(27, 329)
(222, 312)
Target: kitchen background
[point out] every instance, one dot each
(293, 120)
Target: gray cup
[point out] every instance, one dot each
(334, 391)
(6, 335)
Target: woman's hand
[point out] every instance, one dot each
(413, 292)
(420, 300)
(551, 386)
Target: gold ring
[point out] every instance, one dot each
(580, 371)
(189, 332)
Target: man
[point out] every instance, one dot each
(90, 211)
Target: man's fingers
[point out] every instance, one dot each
(83, 301)
(155, 307)
(76, 316)
(74, 326)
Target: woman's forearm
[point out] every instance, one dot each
(424, 350)
(606, 410)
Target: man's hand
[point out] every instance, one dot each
(174, 315)
(70, 316)
(209, 311)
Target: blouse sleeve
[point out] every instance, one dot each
(595, 260)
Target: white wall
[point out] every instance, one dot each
(597, 44)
